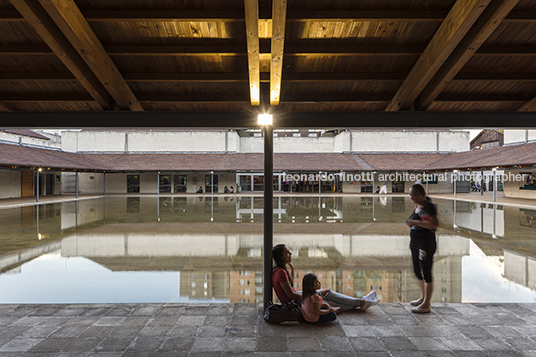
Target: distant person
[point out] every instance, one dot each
(231, 190)
(378, 189)
(383, 189)
(283, 285)
(225, 189)
(313, 308)
(200, 189)
(423, 223)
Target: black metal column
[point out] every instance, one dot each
(268, 211)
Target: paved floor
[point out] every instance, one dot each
(238, 330)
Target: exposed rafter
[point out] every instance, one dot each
(74, 26)
(227, 50)
(3, 108)
(458, 22)
(237, 16)
(301, 77)
(487, 23)
(56, 41)
(251, 8)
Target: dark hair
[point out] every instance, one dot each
(308, 288)
(277, 256)
(420, 188)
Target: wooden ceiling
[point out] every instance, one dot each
(300, 55)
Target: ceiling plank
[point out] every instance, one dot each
(251, 8)
(56, 41)
(74, 26)
(485, 25)
(458, 22)
(279, 19)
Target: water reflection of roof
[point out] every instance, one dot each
(506, 156)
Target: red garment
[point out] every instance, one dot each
(308, 307)
(279, 275)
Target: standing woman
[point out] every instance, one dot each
(423, 223)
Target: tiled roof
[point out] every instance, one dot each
(508, 156)
(26, 132)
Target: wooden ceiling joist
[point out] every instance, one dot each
(238, 16)
(458, 22)
(74, 26)
(313, 50)
(56, 41)
(251, 8)
(302, 77)
(36, 77)
(485, 25)
(279, 16)
(291, 99)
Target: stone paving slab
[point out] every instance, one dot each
(388, 329)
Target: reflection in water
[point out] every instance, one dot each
(179, 249)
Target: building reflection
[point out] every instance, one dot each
(353, 244)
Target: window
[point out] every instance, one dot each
(133, 183)
(208, 186)
(180, 183)
(398, 186)
(366, 186)
(165, 183)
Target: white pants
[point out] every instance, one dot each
(345, 302)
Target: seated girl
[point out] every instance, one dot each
(313, 308)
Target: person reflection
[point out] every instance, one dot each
(423, 223)
(283, 285)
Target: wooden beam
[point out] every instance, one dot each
(74, 26)
(279, 20)
(461, 17)
(494, 76)
(36, 77)
(506, 51)
(301, 77)
(529, 106)
(36, 50)
(3, 108)
(238, 16)
(485, 25)
(39, 97)
(236, 98)
(224, 50)
(251, 8)
(58, 43)
(282, 119)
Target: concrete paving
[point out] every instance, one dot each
(388, 329)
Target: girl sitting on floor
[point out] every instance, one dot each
(313, 308)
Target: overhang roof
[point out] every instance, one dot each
(206, 55)
(15, 156)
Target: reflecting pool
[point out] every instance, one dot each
(209, 249)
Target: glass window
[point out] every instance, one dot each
(165, 183)
(133, 183)
(208, 186)
(366, 186)
(245, 183)
(180, 183)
